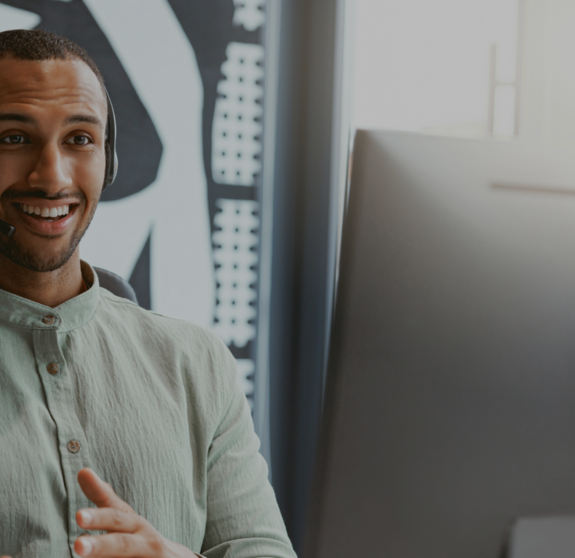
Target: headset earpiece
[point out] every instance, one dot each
(111, 154)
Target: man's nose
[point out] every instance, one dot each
(51, 172)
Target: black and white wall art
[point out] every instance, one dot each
(182, 221)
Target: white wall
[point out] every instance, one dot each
(423, 65)
(548, 81)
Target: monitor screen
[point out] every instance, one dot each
(450, 404)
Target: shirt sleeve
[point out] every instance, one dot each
(243, 518)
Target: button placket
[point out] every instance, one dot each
(73, 448)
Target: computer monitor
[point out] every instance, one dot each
(450, 404)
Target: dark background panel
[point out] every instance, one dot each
(208, 24)
(141, 275)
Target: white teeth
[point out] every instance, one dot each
(47, 212)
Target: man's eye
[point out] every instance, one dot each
(80, 140)
(13, 140)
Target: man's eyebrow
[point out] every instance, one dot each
(74, 119)
(83, 119)
(17, 117)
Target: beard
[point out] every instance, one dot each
(18, 254)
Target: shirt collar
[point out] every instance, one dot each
(70, 315)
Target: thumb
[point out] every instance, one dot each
(100, 492)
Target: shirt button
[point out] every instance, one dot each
(53, 368)
(73, 446)
(49, 320)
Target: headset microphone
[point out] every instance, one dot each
(111, 161)
(6, 229)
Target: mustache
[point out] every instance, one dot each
(11, 195)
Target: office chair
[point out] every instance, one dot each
(116, 284)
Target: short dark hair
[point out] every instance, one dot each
(37, 44)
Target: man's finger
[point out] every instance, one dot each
(116, 545)
(108, 519)
(100, 492)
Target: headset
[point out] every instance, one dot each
(111, 160)
(111, 153)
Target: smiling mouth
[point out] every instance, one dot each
(46, 214)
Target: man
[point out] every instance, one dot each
(91, 386)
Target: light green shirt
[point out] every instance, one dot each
(151, 403)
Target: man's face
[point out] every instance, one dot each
(52, 158)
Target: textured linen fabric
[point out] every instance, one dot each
(156, 409)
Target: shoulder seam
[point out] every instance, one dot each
(117, 299)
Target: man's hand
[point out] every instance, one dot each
(129, 535)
